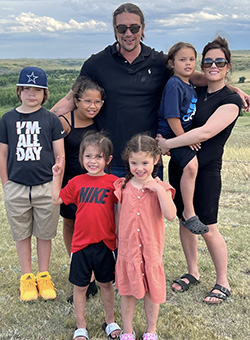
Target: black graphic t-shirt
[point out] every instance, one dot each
(30, 139)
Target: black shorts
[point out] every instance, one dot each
(68, 211)
(96, 257)
(206, 195)
(182, 156)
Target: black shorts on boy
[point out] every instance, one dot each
(95, 257)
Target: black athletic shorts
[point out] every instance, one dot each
(96, 257)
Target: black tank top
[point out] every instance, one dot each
(71, 143)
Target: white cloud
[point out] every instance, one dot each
(78, 28)
(29, 22)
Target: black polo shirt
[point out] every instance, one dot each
(133, 93)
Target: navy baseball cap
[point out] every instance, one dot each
(34, 77)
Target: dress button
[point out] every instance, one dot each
(139, 245)
(139, 197)
(138, 214)
(138, 229)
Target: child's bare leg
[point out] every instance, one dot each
(43, 254)
(79, 299)
(108, 299)
(187, 186)
(68, 229)
(128, 304)
(23, 249)
(152, 311)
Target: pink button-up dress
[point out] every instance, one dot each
(141, 231)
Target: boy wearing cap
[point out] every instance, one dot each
(30, 140)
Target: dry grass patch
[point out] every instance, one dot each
(183, 316)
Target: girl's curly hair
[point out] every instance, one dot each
(144, 143)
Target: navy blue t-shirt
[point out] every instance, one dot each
(178, 101)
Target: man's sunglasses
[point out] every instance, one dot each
(133, 28)
(219, 62)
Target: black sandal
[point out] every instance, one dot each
(221, 297)
(194, 225)
(185, 286)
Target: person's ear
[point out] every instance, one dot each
(170, 63)
(110, 159)
(157, 158)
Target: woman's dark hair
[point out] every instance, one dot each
(129, 8)
(144, 143)
(177, 47)
(101, 141)
(83, 84)
(218, 43)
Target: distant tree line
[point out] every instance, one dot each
(60, 82)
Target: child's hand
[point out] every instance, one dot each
(151, 185)
(57, 168)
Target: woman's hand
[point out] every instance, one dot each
(195, 147)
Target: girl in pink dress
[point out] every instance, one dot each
(143, 200)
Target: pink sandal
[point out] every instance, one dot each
(149, 336)
(127, 336)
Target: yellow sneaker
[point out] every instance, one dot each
(45, 286)
(28, 287)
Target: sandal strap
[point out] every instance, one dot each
(217, 295)
(221, 297)
(185, 286)
(111, 327)
(190, 278)
(127, 336)
(149, 336)
(81, 332)
(222, 289)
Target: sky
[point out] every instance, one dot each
(79, 28)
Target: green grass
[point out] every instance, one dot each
(183, 316)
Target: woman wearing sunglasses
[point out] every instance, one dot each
(217, 111)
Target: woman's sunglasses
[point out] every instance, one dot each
(133, 28)
(219, 62)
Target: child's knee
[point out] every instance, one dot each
(192, 167)
(105, 285)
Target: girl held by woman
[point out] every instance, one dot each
(217, 111)
(176, 114)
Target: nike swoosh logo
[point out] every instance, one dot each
(62, 132)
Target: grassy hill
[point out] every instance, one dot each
(62, 73)
(15, 65)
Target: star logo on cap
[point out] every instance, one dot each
(32, 78)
